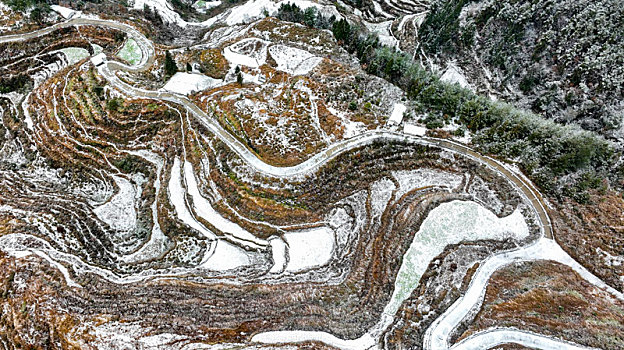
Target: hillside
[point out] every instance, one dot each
(561, 59)
(302, 174)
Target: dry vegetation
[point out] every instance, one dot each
(32, 317)
(593, 234)
(551, 299)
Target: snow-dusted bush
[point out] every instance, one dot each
(561, 59)
(559, 158)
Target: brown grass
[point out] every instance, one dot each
(549, 298)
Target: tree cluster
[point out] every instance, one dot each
(13, 83)
(38, 8)
(310, 16)
(563, 59)
(151, 14)
(562, 159)
(170, 65)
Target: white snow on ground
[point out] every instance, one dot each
(419, 178)
(204, 209)
(255, 9)
(118, 335)
(250, 11)
(63, 11)
(75, 54)
(70, 282)
(280, 337)
(245, 13)
(278, 251)
(309, 248)
(176, 196)
(212, 4)
(437, 335)
(380, 194)
(414, 129)
(188, 83)
(226, 256)
(397, 113)
(450, 223)
(351, 128)
(380, 10)
(491, 338)
(246, 53)
(158, 241)
(609, 259)
(97, 49)
(27, 118)
(164, 8)
(384, 31)
(119, 212)
(344, 225)
(453, 74)
(416, 19)
(19, 253)
(292, 60)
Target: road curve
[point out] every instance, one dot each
(437, 335)
(110, 67)
(497, 336)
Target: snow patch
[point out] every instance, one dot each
(226, 256)
(413, 129)
(281, 337)
(63, 11)
(419, 178)
(384, 32)
(380, 194)
(450, 223)
(249, 52)
(278, 252)
(250, 11)
(292, 60)
(119, 212)
(204, 209)
(497, 336)
(309, 248)
(256, 9)
(351, 128)
(188, 83)
(164, 9)
(453, 74)
(176, 196)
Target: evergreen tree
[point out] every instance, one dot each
(309, 16)
(170, 66)
(239, 75)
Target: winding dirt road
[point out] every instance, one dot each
(437, 336)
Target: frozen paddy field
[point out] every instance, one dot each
(231, 249)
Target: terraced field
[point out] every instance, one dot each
(256, 208)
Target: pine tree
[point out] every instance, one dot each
(170, 66)
(309, 16)
(239, 75)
